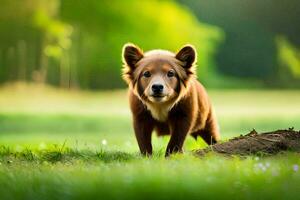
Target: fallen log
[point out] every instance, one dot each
(257, 144)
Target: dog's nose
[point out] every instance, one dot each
(157, 88)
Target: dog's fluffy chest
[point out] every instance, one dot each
(160, 112)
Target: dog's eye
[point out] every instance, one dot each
(147, 74)
(171, 73)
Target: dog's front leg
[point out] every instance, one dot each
(143, 130)
(179, 130)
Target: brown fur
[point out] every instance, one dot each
(184, 107)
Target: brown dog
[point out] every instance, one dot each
(165, 95)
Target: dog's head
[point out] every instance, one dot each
(158, 76)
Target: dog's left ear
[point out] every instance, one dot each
(187, 55)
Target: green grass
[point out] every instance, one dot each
(80, 145)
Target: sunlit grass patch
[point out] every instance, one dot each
(63, 154)
(81, 145)
(129, 176)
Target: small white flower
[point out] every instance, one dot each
(260, 165)
(296, 167)
(42, 146)
(256, 158)
(267, 164)
(128, 143)
(104, 142)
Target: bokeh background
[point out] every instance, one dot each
(60, 64)
(65, 123)
(77, 44)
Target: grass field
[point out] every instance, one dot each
(56, 144)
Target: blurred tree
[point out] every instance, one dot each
(289, 62)
(249, 49)
(31, 37)
(102, 28)
(280, 17)
(73, 43)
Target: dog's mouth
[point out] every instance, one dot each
(158, 98)
(158, 95)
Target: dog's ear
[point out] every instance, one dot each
(131, 55)
(187, 55)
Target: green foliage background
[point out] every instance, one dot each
(77, 44)
(59, 144)
(251, 48)
(81, 41)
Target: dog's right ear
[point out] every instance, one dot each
(131, 55)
